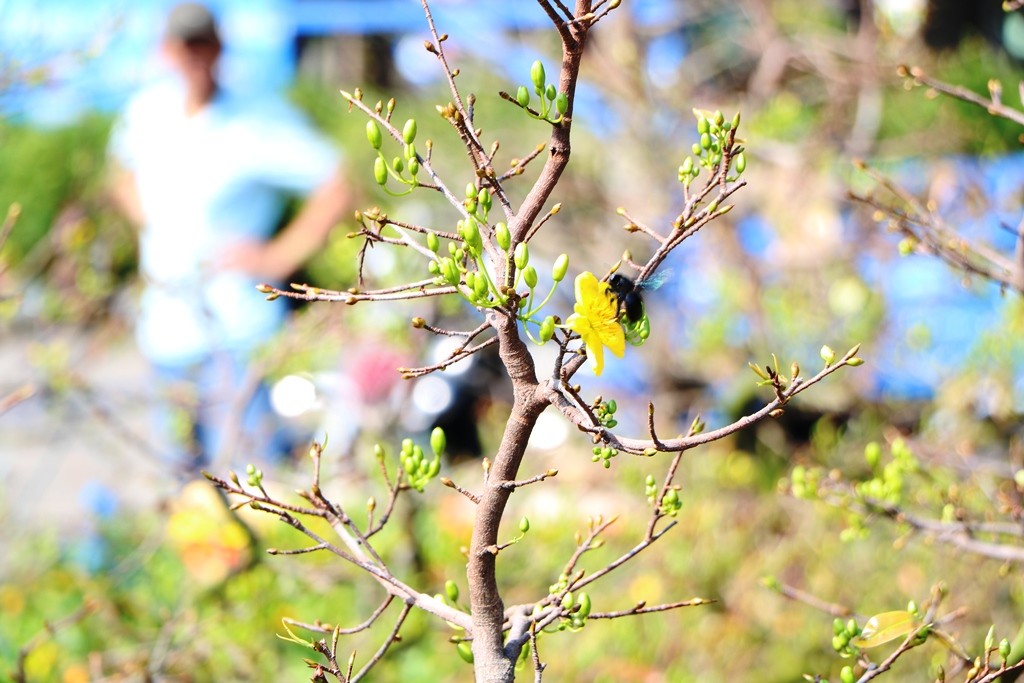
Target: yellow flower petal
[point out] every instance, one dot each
(596, 319)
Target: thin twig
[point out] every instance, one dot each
(382, 650)
(992, 106)
(467, 493)
(323, 628)
(641, 608)
(511, 485)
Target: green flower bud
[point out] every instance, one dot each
(567, 600)
(736, 120)
(409, 132)
(838, 626)
(410, 151)
(562, 103)
(583, 600)
(378, 451)
(398, 164)
(846, 675)
(449, 271)
(480, 286)
(433, 243)
(470, 191)
(827, 354)
(250, 469)
(483, 198)
(705, 141)
(438, 441)
(719, 119)
(547, 328)
(523, 96)
(990, 638)
(414, 166)
(451, 589)
(559, 269)
(696, 148)
(702, 125)
(741, 162)
(530, 276)
(465, 651)
(687, 166)
(471, 233)
(538, 77)
(550, 92)
(855, 362)
(524, 525)
(522, 255)
(503, 236)
(373, 134)
(1004, 649)
(611, 406)
(451, 246)
(380, 172)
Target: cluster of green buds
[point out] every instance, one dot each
(888, 482)
(604, 411)
(553, 104)
(714, 132)
(804, 482)
(559, 585)
(604, 455)
(417, 468)
(1005, 648)
(650, 488)
(397, 167)
(528, 306)
(464, 265)
(254, 475)
(478, 202)
(577, 608)
(637, 331)
(829, 356)
(671, 503)
(843, 634)
(450, 597)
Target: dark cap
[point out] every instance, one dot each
(191, 22)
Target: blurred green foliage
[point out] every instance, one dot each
(45, 170)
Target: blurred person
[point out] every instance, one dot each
(206, 176)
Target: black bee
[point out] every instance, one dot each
(630, 301)
(628, 292)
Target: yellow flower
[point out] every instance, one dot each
(596, 319)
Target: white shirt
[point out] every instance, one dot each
(204, 181)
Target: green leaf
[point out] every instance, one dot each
(884, 627)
